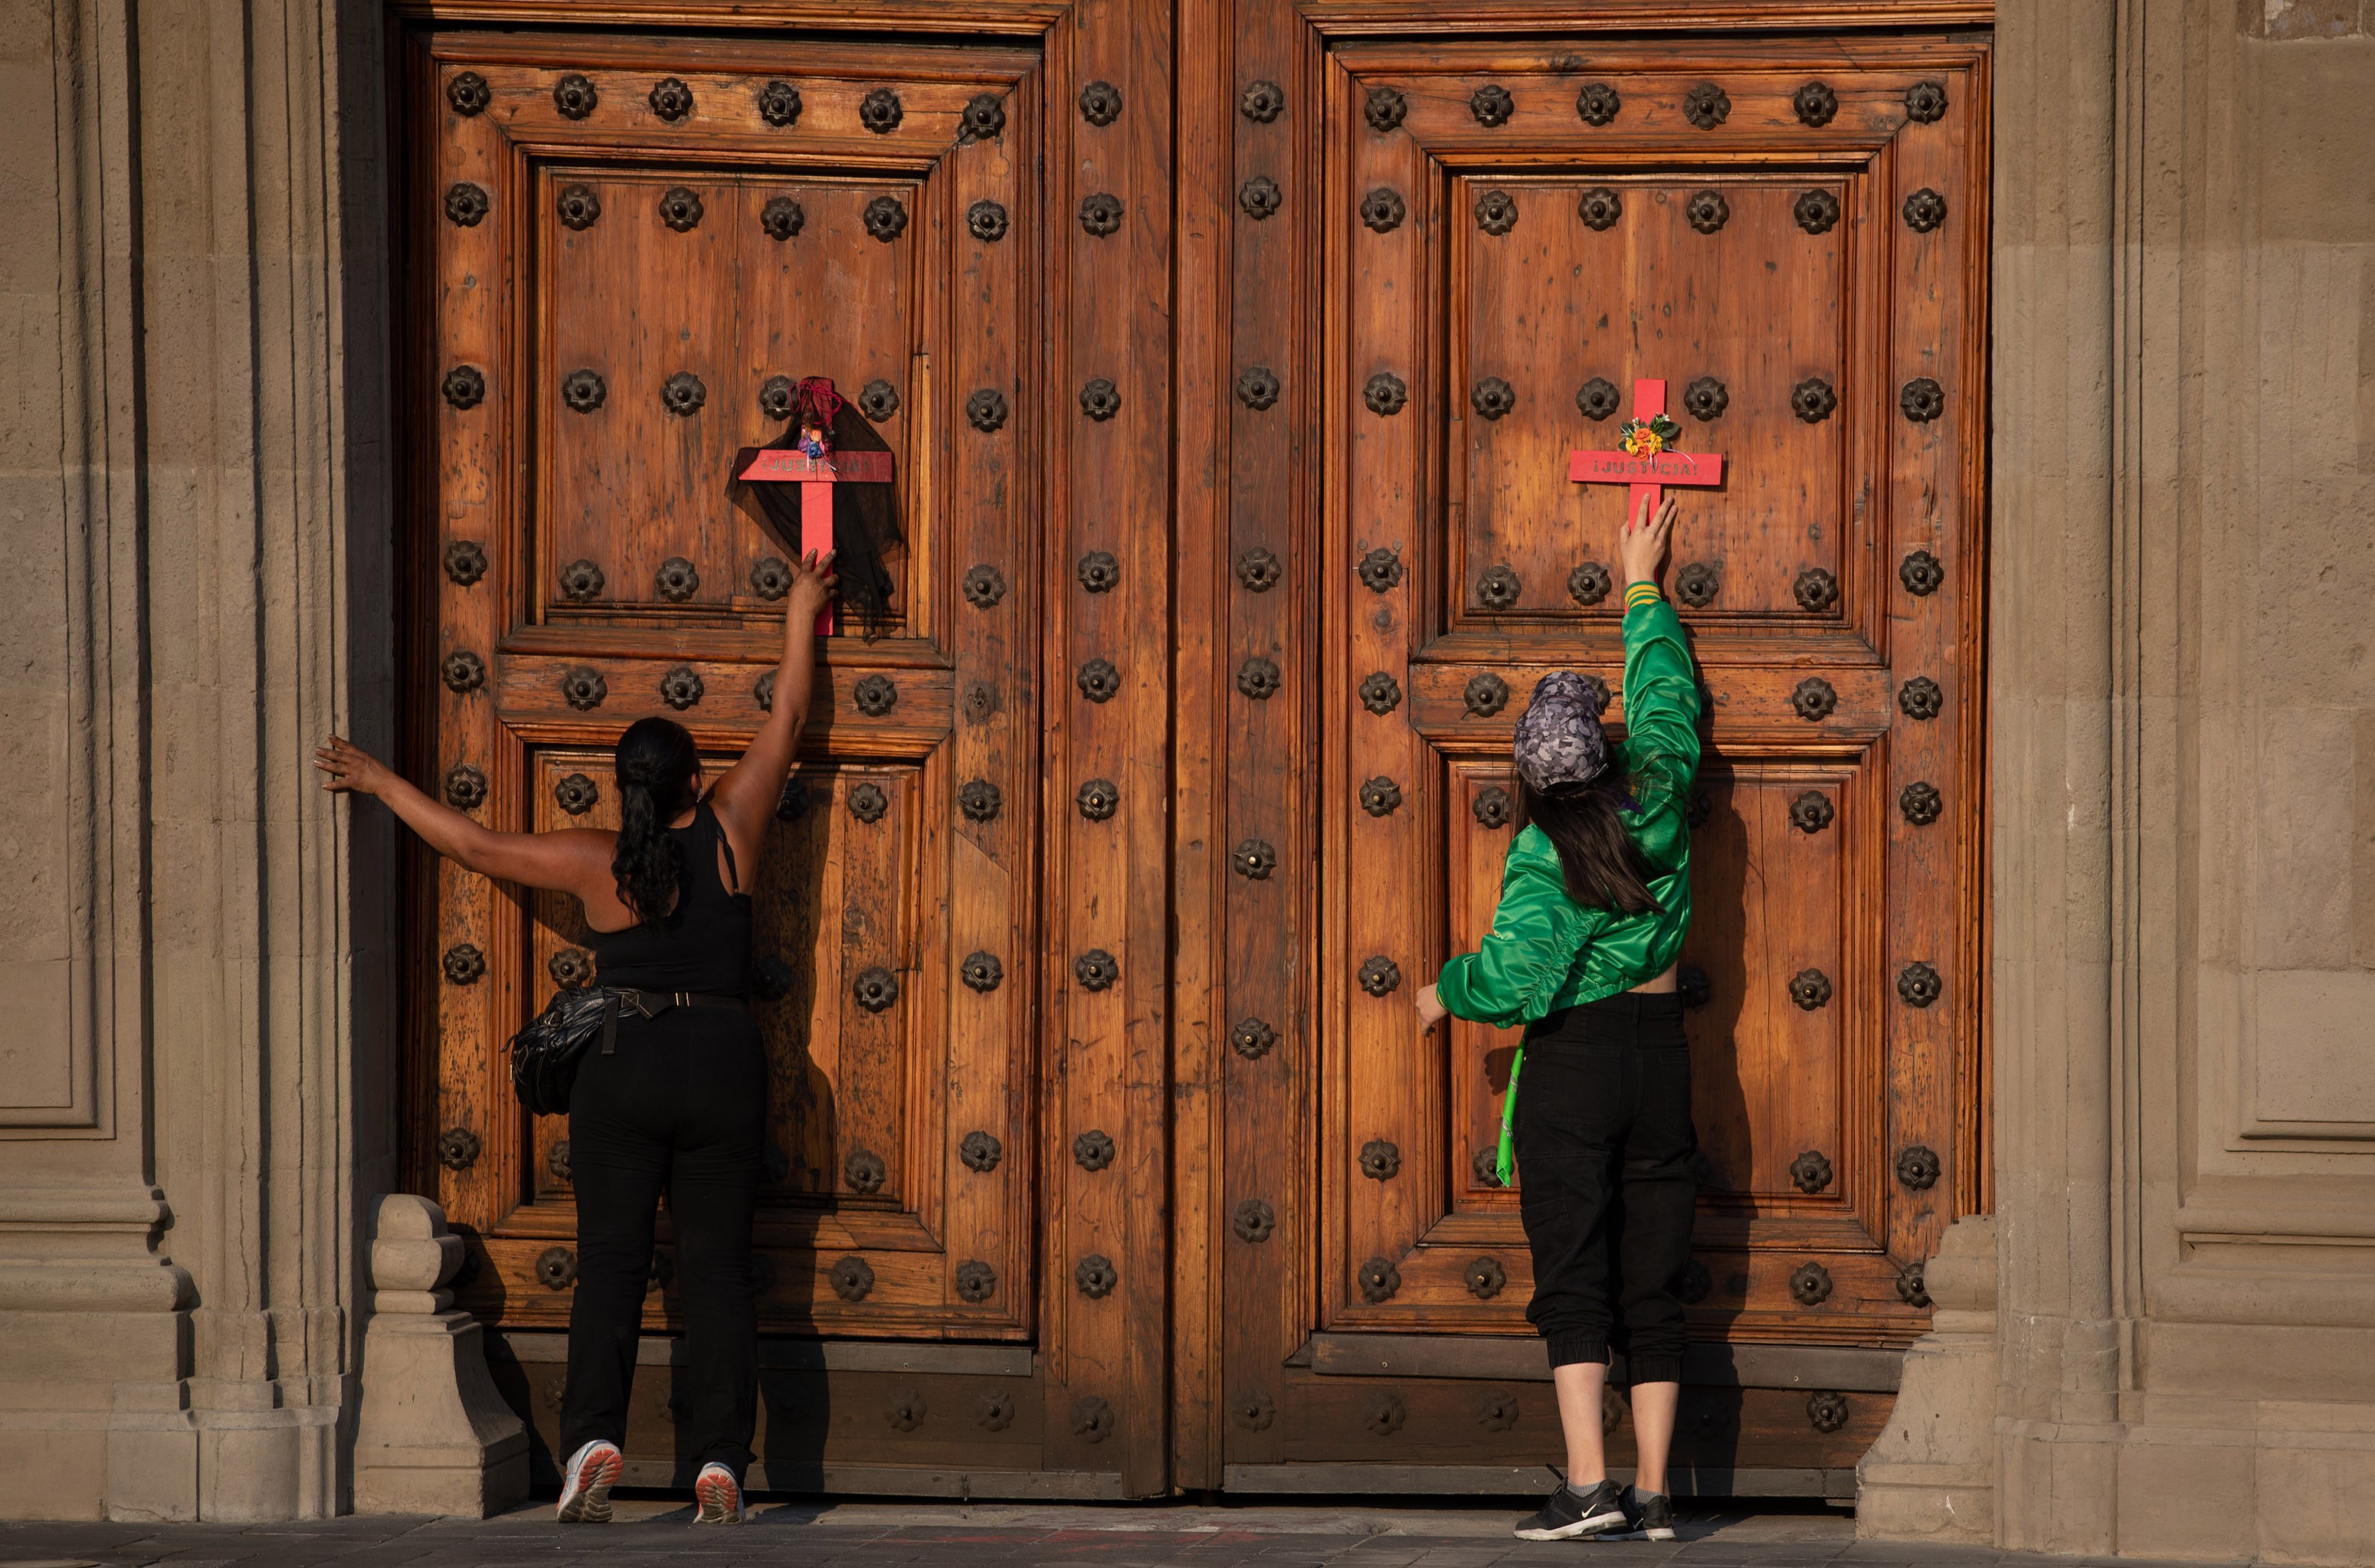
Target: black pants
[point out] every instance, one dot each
(1606, 1175)
(681, 1105)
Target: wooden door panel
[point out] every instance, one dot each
(1477, 832)
(1392, 1424)
(1775, 259)
(938, 270)
(1754, 701)
(1552, 304)
(1770, 903)
(856, 1114)
(725, 303)
(1770, 946)
(619, 298)
(534, 695)
(839, 1090)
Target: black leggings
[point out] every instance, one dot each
(1606, 1177)
(681, 1106)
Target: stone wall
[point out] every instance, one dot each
(194, 1070)
(2183, 688)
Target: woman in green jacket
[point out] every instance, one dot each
(1595, 899)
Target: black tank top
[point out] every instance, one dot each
(705, 943)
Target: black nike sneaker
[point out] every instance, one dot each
(1567, 1512)
(1648, 1515)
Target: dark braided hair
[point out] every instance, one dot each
(655, 766)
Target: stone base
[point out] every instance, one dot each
(2191, 1481)
(434, 1436)
(1936, 1503)
(148, 1458)
(1930, 1474)
(250, 1455)
(53, 1472)
(100, 1327)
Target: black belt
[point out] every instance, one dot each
(651, 1004)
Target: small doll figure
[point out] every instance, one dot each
(814, 403)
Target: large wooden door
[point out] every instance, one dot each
(624, 249)
(1451, 261)
(1106, 1157)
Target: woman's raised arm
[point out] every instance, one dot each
(574, 860)
(1661, 691)
(746, 796)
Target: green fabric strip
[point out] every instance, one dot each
(1506, 1162)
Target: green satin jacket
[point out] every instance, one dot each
(1545, 951)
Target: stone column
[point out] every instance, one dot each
(86, 1297)
(434, 1437)
(196, 1072)
(2184, 756)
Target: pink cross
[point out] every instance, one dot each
(1646, 475)
(816, 476)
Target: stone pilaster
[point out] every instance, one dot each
(2055, 591)
(2184, 464)
(195, 1082)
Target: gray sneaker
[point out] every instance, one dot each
(1648, 1515)
(594, 1469)
(719, 1494)
(1567, 1512)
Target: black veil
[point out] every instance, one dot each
(865, 521)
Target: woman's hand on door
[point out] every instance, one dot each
(813, 585)
(1430, 1011)
(1642, 547)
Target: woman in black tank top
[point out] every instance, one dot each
(705, 944)
(676, 1102)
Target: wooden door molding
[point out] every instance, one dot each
(923, 1182)
(1326, 18)
(1409, 874)
(1342, 19)
(1031, 21)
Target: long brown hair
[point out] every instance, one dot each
(1604, 869)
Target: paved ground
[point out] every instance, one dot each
(813, 1534)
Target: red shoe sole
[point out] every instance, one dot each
(720, 1500)
(591, 1503)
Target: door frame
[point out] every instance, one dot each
(1151, 1057)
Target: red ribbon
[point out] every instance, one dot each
(814, 403)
